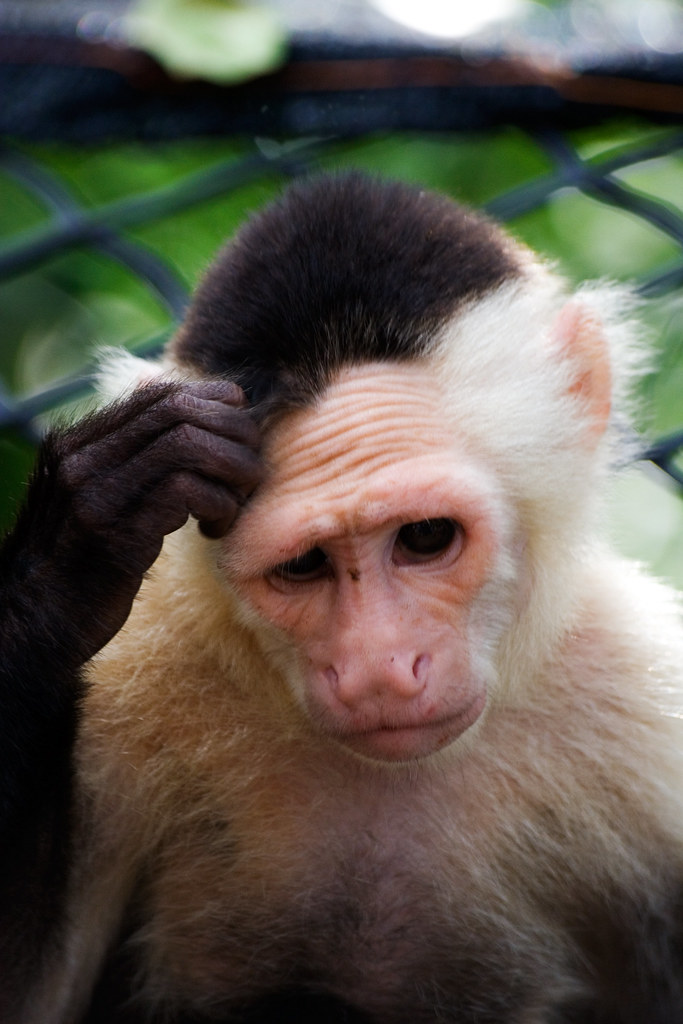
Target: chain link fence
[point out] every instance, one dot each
(322, 98)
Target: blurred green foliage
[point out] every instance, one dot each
(56, 316)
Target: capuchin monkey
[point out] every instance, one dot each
(381, 731)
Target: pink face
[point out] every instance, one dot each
(369, 546)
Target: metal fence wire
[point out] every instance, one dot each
(103, 228)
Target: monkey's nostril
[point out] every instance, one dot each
(421, 668)
(332, 677)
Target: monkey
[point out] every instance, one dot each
(324, 697)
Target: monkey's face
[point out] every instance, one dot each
(372, 545)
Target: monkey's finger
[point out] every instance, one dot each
(159, 404)
(104, 422)
(214, 406)
(112, 499)
(175, 411)
(193, 449)
(216, 528)
(188, 494)
(219, 391)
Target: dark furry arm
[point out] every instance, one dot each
(103, 496)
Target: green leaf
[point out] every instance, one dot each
(219, 40)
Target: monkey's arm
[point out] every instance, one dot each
(103, 496)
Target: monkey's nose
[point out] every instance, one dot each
(396, 678)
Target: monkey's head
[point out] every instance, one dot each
(433, 408)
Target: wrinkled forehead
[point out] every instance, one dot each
(374, 452)
(369, 417)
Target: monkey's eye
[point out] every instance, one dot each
(313, 565)
(423, 541)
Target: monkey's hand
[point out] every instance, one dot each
(103, 496)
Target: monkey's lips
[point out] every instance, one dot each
(419, 739)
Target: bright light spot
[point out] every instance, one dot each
(448, 18)
(660, 25)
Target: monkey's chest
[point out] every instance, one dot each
(234, 919)
(372, 912)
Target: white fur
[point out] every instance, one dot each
(120, 372)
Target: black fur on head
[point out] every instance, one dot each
(344, 269)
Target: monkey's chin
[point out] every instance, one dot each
(416, 741)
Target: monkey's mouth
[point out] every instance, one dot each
(420, 739)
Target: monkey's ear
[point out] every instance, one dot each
(579, 340)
